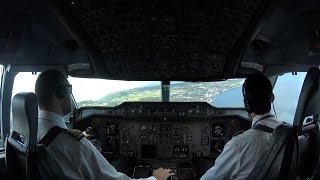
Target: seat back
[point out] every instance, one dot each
(306, 119)
(287, 160)
(23, 137)
(309, 147)
(281, 159)
(308, 99)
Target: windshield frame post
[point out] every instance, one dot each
(165, 91)
(273, 80)
(5, 106)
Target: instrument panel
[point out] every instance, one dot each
(162, 130)
(164, 140)
(162, 134)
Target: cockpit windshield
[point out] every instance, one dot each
(101, 92)
(97, 92)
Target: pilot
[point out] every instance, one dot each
(78, 158)
(244, 150)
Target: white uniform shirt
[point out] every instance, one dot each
(78, 159)
(242, 152)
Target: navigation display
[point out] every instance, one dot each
(112, 129)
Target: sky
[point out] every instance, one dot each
(83, 88)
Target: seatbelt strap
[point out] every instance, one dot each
(50, 136)
(263, 118)
(259, 127)
(279, 137)
(263, 128)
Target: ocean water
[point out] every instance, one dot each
(229, 98)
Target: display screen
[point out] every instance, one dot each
(112, 129)
(148, 151)
(218, 129)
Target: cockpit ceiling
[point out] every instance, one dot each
(165, 40)
(188, 40)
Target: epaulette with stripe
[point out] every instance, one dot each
(78, 135)
(239, 132)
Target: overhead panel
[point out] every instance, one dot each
(11, 34)
(163, 40)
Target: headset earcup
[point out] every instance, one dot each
(60, 92)
(245, 99)
(247, 106)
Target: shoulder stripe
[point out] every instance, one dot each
(78, 135)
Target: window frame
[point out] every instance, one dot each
(7, 79)
(274, 80)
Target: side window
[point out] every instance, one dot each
(23, 82)
(287, 91)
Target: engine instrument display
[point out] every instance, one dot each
(180, 151)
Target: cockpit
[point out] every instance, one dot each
(159, 83)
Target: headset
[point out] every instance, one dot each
(61, 91)
(245, 99)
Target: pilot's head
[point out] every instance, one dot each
(54, 92)
(257, 94)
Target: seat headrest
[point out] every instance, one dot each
(25, 116)
(309, 87)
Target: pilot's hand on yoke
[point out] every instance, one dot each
(162, 174)
(88, 133)
(88, 136)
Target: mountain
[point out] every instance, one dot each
(179, 92)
